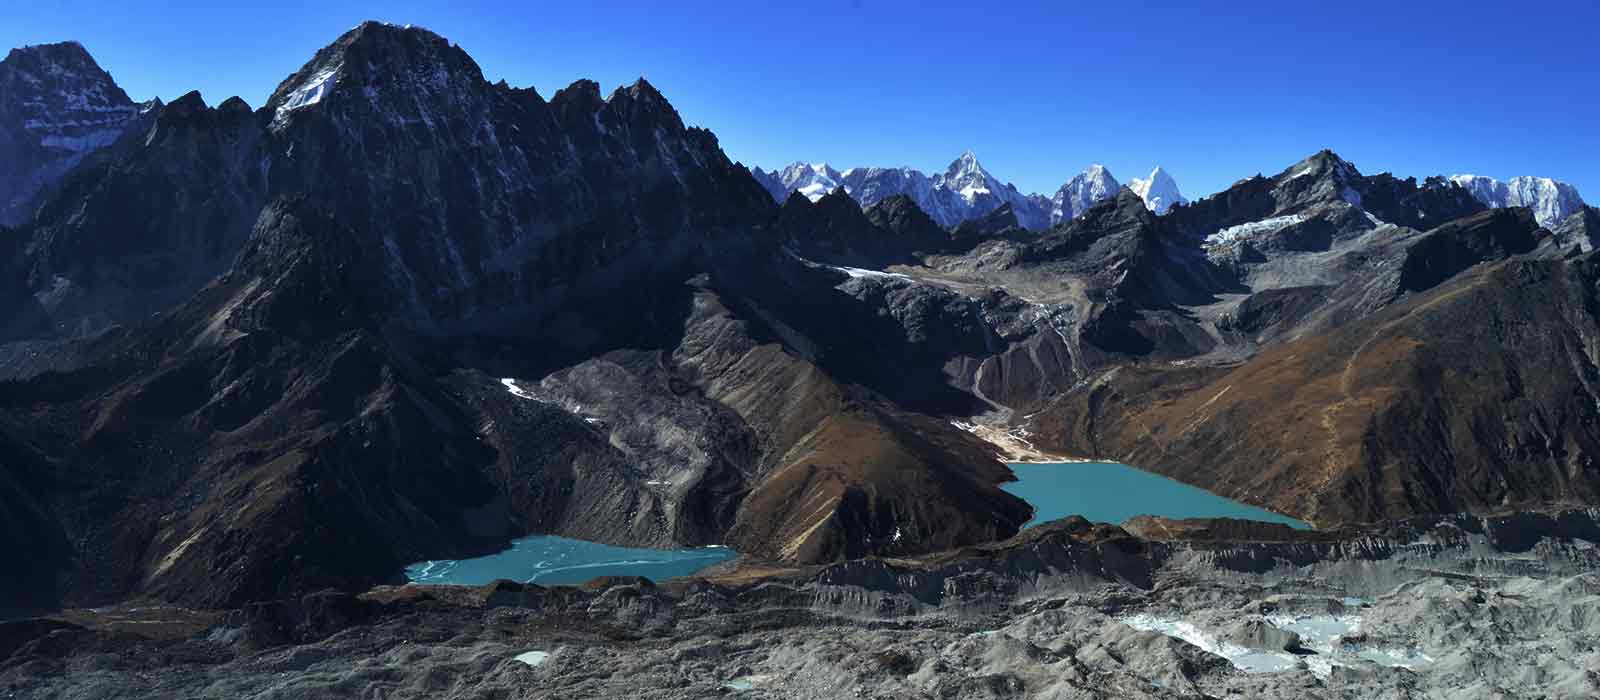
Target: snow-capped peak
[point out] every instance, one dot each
(1081, 192)
(966, 167)
(1159, 191)
(814, 180)
(964, 191)
(1552, 201)
(967, 178)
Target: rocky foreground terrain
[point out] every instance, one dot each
(1447, 607)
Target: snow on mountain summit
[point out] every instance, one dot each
(1552, 201)
(964, 191)
(1159, 191)
(1081, 192)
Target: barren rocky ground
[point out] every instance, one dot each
(1456, 607)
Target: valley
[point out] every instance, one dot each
(408, 383)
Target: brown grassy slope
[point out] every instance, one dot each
(1480, 393)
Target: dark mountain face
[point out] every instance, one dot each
(142, 226)
(57, 106)
(407, 311)
(835, 230)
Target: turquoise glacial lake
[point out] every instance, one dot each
(547, 559)
(1108, 492)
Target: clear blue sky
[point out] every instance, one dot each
(1038, 90)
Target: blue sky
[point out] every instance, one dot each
(1038, 90)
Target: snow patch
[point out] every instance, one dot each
(517, 391)
(309, 93)
(533, 658)
(856, 272)
(1232, 234)
(91, 141)
(1243, 658)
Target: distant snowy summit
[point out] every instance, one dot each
(965, 190)
(1552, 201)
(1159, 191)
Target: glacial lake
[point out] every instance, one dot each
(1108, 492)
(547, 559)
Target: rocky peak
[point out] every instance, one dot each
(968, 178)
(965, 165)
(1000, 222)
(48, 67)
(1581, 230)
(900, 213)
(1322, 164)
(56, 106)
(1322, 178)
(641, 92)
(838, 200)
(234, 104)
(797, 202)
(396, 69)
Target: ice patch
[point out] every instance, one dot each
(813, 191)
(517, 391)
(1243, 658)
(533, 658)
(971, 192)
(309, 93)
(1319, 632)
(857, 272)
(1242, 231)
(93, 140)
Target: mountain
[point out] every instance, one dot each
(965, 190)
(1581, 230)
(1552, 201)
(1081, 192)
(289, 348)
(814, 180)
(402, 313)
(57, 106)
(1159, 191)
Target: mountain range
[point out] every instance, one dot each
(400, 313)
(961, 193)
(965, 191)
(1552, 202)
